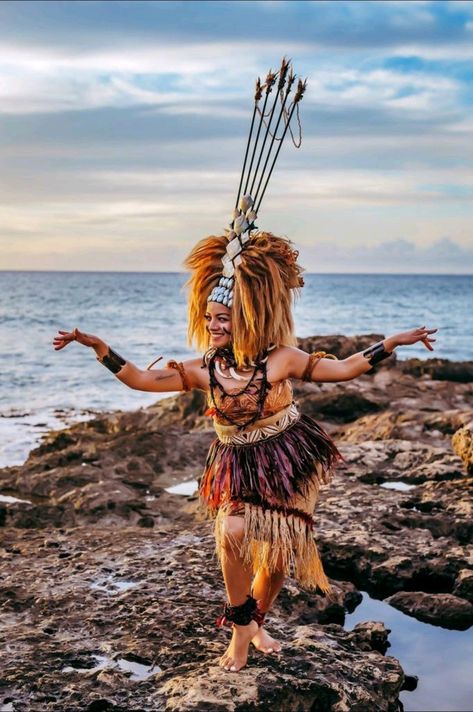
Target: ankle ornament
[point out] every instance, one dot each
(259, 616)
(241, 615)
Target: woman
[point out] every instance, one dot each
(264, 469)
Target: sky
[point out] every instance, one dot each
(123, 127)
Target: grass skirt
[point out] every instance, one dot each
(274, 485)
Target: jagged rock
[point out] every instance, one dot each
(371, 636)
(462, 443)
(464, 585)
(154, 602)
(111, 564)
(457, 613)
(27, 515)
(302, 607)
(339, 405)
(449, 421)
(441, 369)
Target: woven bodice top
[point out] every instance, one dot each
(240, 407)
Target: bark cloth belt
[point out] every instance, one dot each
(262, 429)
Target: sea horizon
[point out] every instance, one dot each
(306, 272)
(143, 315)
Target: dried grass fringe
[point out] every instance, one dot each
(272, 539)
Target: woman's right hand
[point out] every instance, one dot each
(66, 337)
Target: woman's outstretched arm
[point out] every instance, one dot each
(326, 370)
(175, 377)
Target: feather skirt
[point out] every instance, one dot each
(273, 484)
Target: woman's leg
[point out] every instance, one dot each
(266, 587)
(237, 577)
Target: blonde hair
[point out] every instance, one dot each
(263, 293)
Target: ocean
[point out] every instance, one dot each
(143, 315)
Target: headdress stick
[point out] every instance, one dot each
(290, 82)
(245, 213)
(301, 87)
(270, 79)
(281, 82)
(258, 93)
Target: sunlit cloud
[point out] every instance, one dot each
(124, 131)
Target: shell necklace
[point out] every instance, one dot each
(220, 367)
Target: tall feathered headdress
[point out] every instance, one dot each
(250, 271)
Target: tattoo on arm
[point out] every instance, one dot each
(163, 376)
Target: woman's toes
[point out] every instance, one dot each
(227, 662)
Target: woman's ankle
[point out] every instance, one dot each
(241, 615)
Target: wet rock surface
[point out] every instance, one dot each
(127, 615)
(110, 586)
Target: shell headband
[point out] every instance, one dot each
(254, 179)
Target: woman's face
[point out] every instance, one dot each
(219, 323)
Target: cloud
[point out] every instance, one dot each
(126, 122)
(183, 78)
(400, 256)
(444, 256)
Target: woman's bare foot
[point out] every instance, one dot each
(265, 643)
(236, 654)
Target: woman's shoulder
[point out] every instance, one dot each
(284, 361)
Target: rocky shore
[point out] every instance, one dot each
(109, 583)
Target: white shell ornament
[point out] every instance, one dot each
(233, 249)
(246, 202)
(236, 375)
(240, 224)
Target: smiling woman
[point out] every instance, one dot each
(219, 322)
(264, 469)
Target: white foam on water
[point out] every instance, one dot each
(111, 585)
(138, 670)
(397, 485)
(187, 488)
(8, 499)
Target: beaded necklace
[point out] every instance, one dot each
(260, 365)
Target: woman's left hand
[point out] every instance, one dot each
(414, 335)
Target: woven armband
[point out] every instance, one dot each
(113, 361)
(314, 358)
(182, 372)
(375, 354)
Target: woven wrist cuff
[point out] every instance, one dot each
(376, 353)
(113, 361)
